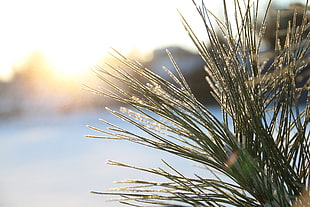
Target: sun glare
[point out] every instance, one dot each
(73, 35)
(69, 64)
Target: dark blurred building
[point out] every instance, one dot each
(286, 16)
(293, 16)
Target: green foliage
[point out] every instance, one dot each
(262, 143)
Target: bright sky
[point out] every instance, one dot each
(74, 34)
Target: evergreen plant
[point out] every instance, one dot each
(261, 143)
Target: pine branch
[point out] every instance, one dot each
(262, 141)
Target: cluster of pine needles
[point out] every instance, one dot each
(261, 143)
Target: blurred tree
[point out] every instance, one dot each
(33, 73)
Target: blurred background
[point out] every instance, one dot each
(47, 49)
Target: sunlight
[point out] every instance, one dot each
(74, 35)
(70, 64)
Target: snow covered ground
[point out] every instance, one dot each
(46, 161)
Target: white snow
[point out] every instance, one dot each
(46, 161)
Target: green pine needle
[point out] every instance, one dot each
(262, 143)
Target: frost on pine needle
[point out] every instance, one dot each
(260, 145)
